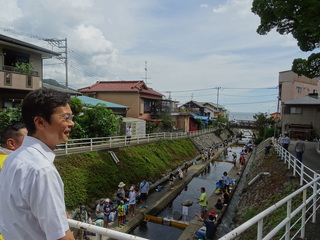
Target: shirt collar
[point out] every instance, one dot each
(40, 146)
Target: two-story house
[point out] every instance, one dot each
(298, 96)
(143, 102)
(17, 82)
(301, 117)
(292, 86)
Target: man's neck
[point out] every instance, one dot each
(5, 151)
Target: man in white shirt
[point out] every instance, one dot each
(31, 190)
(128, 134)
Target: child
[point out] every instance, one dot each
(234, 156)
(121, 214)
(132, 201)
(171, 181)
(226, 181)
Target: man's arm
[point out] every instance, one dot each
(68, 236)
(201, 219)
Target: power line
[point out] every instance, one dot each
(206, 89)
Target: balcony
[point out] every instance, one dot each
(11, 79)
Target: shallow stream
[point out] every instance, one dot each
(207, 179)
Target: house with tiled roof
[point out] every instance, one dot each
(143, 102)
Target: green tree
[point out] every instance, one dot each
(298, 17)
(98, 121)
(76, 106)
(9, 116)
(167, 122)
(263, 123)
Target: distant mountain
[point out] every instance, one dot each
(53, 82)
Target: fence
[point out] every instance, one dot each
(294, 222)
(103, 143)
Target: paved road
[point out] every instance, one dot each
(311, 158)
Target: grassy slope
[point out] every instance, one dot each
(266, 191)
(90, 176)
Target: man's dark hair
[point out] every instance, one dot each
(11, 131)
(41, 102)
(212, 218)
(203, 189)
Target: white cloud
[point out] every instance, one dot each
(9, 11)
(187, 45)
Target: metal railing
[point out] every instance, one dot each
(294, 222)
(102, 143)
(101, 231)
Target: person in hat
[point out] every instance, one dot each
(121, 214)
(108, 208)
(120, 192)
(100, 210)
(132, 200)
(80, 215)
(210, 228)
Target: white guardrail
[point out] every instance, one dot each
(294, 222)
(101, 143)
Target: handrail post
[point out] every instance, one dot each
(66, 148)
(91, 144)
(303, 214)
(260, 229)
(98, 236)
(288, 225)
(314, 206)
(294, 168)
(302, 174)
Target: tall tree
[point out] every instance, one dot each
(300, 18)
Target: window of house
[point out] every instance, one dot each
(295, 110)
(147, 105)
(12, 57)
(299, 90)
(8, 79)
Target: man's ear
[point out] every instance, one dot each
(39, 123)
(11, 144)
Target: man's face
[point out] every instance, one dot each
(59, 128)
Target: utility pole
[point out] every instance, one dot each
(61, 43)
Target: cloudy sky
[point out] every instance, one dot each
(202, 50)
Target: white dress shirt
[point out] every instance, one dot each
(32, 194)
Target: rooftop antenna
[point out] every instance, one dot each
(146, 72)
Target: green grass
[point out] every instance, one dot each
(90, 176)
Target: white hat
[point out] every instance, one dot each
(107, 200)
(121, 184)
